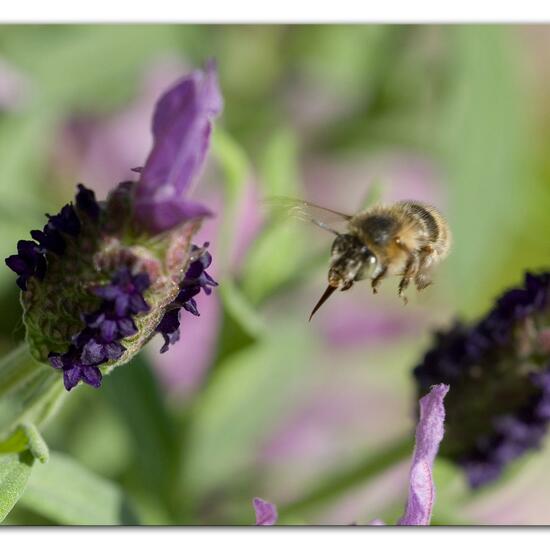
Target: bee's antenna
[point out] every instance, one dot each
(326, 295)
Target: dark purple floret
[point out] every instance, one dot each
(31, 260)
(513, 435)
(28, 262)
(169, 327)
(75, 370)
(195, 280)
(100, 341)
(500, 374)
(49, 239)
(86, 202)
(125, 291)
(66, 221)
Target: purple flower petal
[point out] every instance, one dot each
(266, 513)
(92, 376)
(181, 131)
(429, 433)
(71, 377)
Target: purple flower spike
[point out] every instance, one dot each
(182, 125)
(500, 408)
(99, 342)
(429, 433)
(266, 513)
(195, 279)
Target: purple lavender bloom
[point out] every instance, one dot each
(49, 239)
(266, 513)
(66, 221)
(125, 292)
(499, 369)
(429, 433)
(75, 370)
(182, 125)
(28, 262)
(86, 202)
(169, 327)
(195, 280)
(99, 342)
(74, 319)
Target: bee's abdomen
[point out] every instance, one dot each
(434, 227)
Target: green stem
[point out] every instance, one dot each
(333, 487)
(29, 391)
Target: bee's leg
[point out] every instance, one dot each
(422, 278)
(408, 273)
(375, 283)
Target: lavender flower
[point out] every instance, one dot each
(99, 280)
(266, 513)
(195, 280)
(429, 433)
(182, 125)
(28, 262)
(500, 372)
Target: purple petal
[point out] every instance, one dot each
(71, 377)
(165, 212)
(92, 376)
(93, 353)
(181, 130)
(126, 327)
(266, 513)
(108, 330)
(429, 433)
(56, 361)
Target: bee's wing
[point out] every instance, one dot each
(299, 209)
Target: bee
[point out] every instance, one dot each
(405, 239)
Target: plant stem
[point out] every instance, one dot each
(372, 466)
(29, 391)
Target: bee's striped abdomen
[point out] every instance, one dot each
(427, 220)
(434, 226)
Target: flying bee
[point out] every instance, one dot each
(406, 239)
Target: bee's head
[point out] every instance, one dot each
(351, 261)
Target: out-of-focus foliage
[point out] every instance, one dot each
(453, 115)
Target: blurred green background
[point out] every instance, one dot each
(254, 400)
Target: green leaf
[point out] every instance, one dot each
(22, 204)
(26, 437)
(485, 150)
(15, 470)
(135, 396)
(236, 303)
(242, 402)
(235, 167)
(68, 494)
(278, 251)
(30, 392)
(81, 51)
